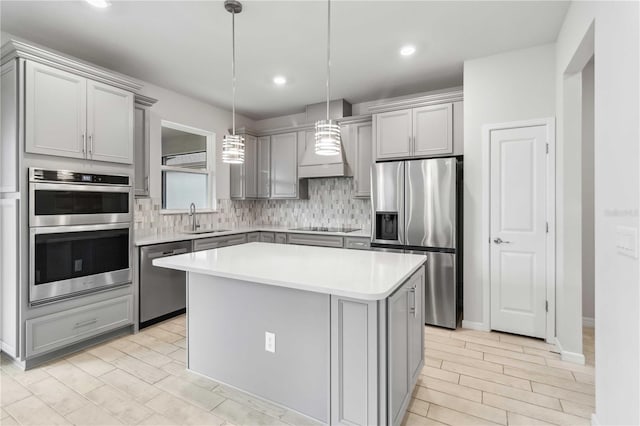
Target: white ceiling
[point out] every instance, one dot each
(186, 45)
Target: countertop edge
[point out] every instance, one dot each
(293, 285)
(171, 238)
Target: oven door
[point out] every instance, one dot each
(59, 204)
(65, 261)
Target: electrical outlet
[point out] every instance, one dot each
(269, 342)
(627, 241)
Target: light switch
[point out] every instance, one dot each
(269, 342)
(627, 241)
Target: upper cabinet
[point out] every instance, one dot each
(358, 144)
(430, 126)
(71, 116)
(433, 130)
(263, 166)
(141, 138)
(284, 166)
(244, 177)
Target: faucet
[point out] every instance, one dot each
(192, 217)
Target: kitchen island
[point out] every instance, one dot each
(334, 334)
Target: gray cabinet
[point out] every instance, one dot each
(416, 132)
(263, 167)
(433, 130)
(71, 116)
(267, 237)
(361, 138)
(47, 333)
(315, 240)
(280, 238)
(253, 237)
(244, 177)
(357, 243)
(394, 134)
(217, 242)
(405, 311)
(142, 140)
(284, 167)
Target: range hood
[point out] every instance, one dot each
(316, 166)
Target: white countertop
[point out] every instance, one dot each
(149, 238)
(359, 274)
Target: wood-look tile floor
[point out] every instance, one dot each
(469, 378)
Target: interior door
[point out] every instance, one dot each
(518, 230)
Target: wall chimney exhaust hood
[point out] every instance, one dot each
(316, 166)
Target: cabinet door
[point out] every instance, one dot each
(398, 335)
(250, 166)
(55, 111)
(109, 123)
(280, 238)
(393, 134)
(364, 159)
(416, 325)
(141, 157)
(264, 167)
(237, 181)
(433, 130)
(284, 166)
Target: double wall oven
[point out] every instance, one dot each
(80, 230)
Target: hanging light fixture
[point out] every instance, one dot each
(328, 139)
(233, 145)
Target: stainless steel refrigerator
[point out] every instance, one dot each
(417, 208)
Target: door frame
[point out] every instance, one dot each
(549, 123)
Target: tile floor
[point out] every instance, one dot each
(469, 378)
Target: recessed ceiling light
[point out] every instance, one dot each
(99, 3)
(407, 50)
(279, 80)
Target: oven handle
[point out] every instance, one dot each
(157, 254)
(79, 187)
(79, 228)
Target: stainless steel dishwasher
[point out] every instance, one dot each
(162, 291)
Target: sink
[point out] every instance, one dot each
(205, 231)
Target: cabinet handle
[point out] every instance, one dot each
(412, 309)
(84, 143)
(85, 323)
(91, 145)
(146, 183)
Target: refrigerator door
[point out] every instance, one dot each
(440, 289)
(430, 200)
(387, 194)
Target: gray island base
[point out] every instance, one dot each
(334, 334)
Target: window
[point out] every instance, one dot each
(188, 168)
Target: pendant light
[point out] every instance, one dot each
(328, 139)
(233, 145)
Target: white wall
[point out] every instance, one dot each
(172, 106)
(617, 198)
(512, 86)
(588, 221)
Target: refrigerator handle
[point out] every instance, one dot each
(400, 182)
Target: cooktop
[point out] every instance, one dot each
(325, 229)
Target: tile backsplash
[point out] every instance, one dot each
(330, 203)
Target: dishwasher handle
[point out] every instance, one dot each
(157, 254)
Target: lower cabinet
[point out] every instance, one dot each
(253, 237)
(267, 237)
(406, 343)
(54, 331)
(357, 243)
(280, 238)
(315, 240)
(377, 350)
(217, 242)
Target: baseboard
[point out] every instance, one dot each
(588, 322)
(474, 325)
(573, 357)
(594, 420)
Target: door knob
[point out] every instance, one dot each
(501, 241)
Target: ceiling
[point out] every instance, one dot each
(186, 45)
